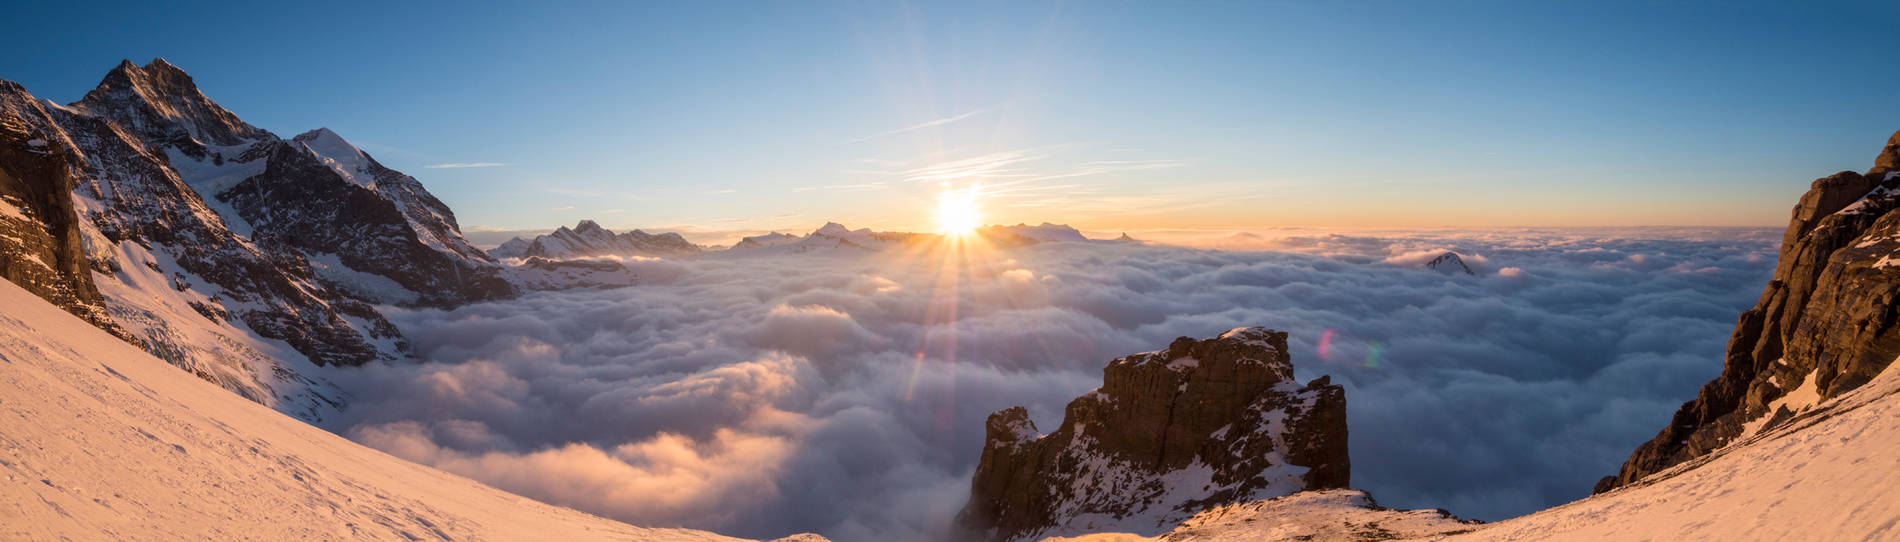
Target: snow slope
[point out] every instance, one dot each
(1833, 473)
(101, 441)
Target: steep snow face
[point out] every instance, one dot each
(1829, 473)
(343, 157)
(100, 441)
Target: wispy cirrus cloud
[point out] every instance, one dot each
(928, 124)
(460, 165)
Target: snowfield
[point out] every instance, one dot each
(101, 441)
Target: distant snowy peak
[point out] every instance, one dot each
(1449, 263)
(340, 155)
(837, 237)
(1045, 232)
(831, 237)
(588, 239)
(763, 241)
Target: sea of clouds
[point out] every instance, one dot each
(845, 394)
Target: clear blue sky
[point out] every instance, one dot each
(710, 116)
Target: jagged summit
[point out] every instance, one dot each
(161, 102)
(587, 239)
(1170, 433)
(1449, 263)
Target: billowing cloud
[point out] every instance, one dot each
(761, 396)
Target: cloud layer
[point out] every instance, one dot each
(846, 395)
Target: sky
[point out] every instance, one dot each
(710, 117)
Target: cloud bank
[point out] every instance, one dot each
(846, 395)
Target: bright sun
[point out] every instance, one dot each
(956, 213)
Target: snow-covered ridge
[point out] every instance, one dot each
(101, 441)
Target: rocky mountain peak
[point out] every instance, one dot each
(587, 239)
(833, 229)
(161, 102)
(1449, 263)
(1889, 158)
(1824, 326)
(1170, 432)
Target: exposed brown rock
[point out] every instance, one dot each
(1169, 433)
(40, 245)
(1828, 314)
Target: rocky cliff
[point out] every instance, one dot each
(40, 244)
(1170, 433)
(1823, 326)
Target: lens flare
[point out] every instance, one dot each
(1375, 355)
(1326, 346)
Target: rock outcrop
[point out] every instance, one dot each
(1449, 263)
(1824, 325)
(40, 234)
(588, 240)
(1170, 433)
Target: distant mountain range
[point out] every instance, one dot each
(589, 240)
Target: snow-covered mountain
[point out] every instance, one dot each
(835, 237)
(830, 237)
(241, 257)
(1042, 233)
(588, 240)
(105, 442)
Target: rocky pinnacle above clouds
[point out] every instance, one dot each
(1199, 424)
(1824, 326)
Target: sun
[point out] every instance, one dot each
(957, 213)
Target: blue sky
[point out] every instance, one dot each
(729, 116)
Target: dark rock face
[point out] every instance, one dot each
(1827, 316)
(301, 204)
(1169, 433)
(160, 103)
(40, 244)
(588, 240)
(1449, 263)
